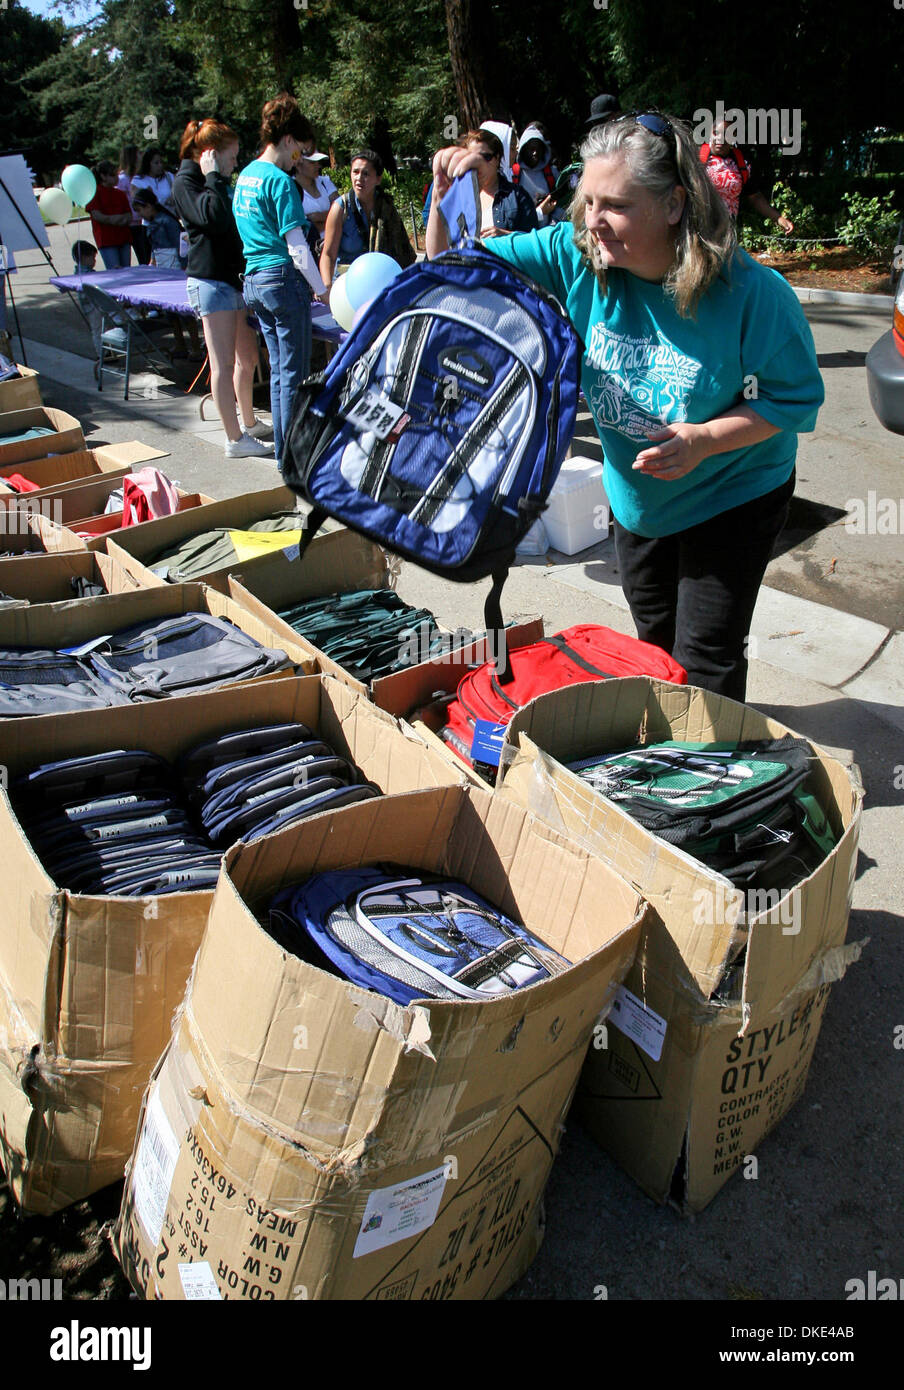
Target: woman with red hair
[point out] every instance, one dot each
(202, 196)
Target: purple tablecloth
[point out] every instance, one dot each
(148, 287)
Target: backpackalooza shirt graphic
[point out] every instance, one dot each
(643, 384)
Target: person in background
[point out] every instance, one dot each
(111, 218)
(535, 172)
(318, 191)
(84, 262)
(165, 232)
(202, 194)
(364, 219)
(128, 167)
(282, 274)
(504, 208)
(676, 322)
(602, 109)
(505, 134)
(164, 229)
(153, 175)
(733, 178)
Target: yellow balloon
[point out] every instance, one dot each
(340, 308)
(56, 205)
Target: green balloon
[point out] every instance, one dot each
(79, 183)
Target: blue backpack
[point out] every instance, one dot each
(440, 426)
(409, 935)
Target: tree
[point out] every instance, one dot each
(27, 41)
(466, 54)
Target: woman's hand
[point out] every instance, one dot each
(786, 224)
(547, 207)
(208, 162)
(678, 453)
(448, 163)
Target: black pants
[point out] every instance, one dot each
(142, 244)
(693, 593)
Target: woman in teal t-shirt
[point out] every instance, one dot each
(699, 370)
(281, 275)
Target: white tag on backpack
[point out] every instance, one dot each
(375, 413)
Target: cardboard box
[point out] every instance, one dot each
(20, 393)
(710, 1042)
(66, 434)
(134, 554)
(342, 562)
(74, 621)
(406, 693)
(41, 579)
(60, 472)
(337, 1145)
(88, 985)
(57, 536)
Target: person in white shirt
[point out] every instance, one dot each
(317, 188)
(152, 174)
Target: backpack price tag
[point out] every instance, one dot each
(375, 413)
(486, 746)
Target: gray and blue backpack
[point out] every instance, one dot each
(440, 426)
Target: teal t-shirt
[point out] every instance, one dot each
(266, 203)
(645, 366)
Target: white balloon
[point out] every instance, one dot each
(340, 308)
(56, 205)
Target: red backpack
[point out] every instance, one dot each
(587, 652)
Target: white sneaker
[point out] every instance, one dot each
(260, 430)
(248, 448)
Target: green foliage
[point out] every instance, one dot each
(762, 235)
(25, 41)
(870, 222)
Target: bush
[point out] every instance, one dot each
(871, 223)
(808, 223)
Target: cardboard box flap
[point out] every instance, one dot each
(130, 452)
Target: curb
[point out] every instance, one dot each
(862, 301)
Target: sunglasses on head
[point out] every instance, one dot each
(651, 121)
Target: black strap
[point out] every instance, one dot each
(558, 641)
(492, 621)
(312, 524)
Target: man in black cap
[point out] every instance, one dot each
(602, 108)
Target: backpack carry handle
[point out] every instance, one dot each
(310, 526)
(492, 621)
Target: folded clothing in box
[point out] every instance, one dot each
(409, 935)
(128, 823)
(171, 656)
(214, 550)
(364, 631)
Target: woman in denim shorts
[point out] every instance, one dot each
(281, 274)
(202, 197)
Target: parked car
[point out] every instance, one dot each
(885, 370)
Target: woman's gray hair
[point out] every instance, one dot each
(705, 240)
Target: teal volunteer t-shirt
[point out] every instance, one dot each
(645, 366)
(266, 203)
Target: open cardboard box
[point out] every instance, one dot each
(407, 694)
(336, 1144)
(19, 393)
(134, 554)
(711, 1039)
(57, 626)
(58, 535)
(39, 579)
(65, 435)
(89, 984)
(58, 472)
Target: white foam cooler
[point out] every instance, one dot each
(578, 512)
